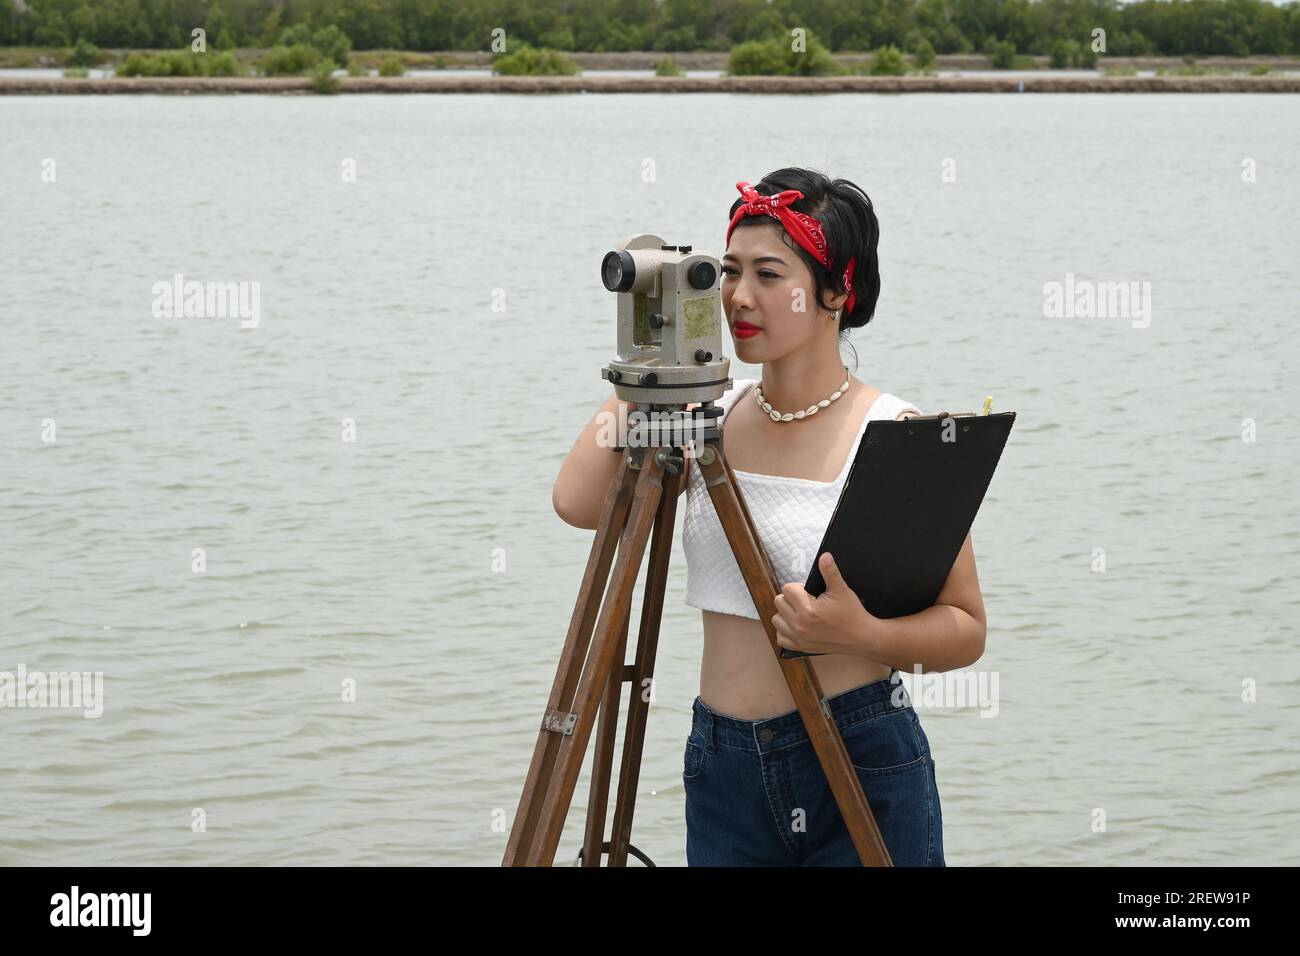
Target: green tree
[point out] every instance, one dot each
(270, 27)
(888, 61)
(1128, 43)
(752, 20)
(53, 31)
(372, 24)
(84, 24)
(558, 38)
(224, 63)
(289, 60)
(9, 25)
(756, 58)
(686, 24)
(1062, 53)
(526, 60)
(333, 44)
(219, 27)
(1001, 53)
(923, 54)
(323, 79)
(85, 54)
(677, 38)
(814, 60)
(297, 35)
(936, 21)
(1168, 27)
(667, 66)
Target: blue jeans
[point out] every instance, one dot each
(756, 794)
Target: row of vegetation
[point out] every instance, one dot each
(778, 58)
(1143, 27)
(298, 52)
(320, 55)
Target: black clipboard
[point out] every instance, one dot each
(906, 507)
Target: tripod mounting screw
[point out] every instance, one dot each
(707, 455)
(671, 462)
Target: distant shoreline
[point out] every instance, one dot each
(652, 84)
(698, 60)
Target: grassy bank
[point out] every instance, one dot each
(1047, 83)
(250, 58)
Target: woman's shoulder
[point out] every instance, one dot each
(889, 405)
(739, 386)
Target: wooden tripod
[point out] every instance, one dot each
(591, 673)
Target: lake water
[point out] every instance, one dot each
(421, 564)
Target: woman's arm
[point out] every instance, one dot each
(948, 635)
(588, 470)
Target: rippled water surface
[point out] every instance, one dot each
(421, 564)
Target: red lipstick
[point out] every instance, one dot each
(743, 330)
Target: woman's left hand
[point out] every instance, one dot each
(835, 622)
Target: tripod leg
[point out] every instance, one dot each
(641, 676)
(761, 581)
(613, 518)
(602, 763)
(568, 758)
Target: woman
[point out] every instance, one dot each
(800, 270)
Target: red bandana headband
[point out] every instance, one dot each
(804, 229)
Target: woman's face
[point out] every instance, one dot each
(766, 286)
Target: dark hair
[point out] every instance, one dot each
(849, 225)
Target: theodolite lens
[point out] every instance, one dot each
(702, 275)
(618, 271)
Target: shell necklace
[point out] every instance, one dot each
(802, 413)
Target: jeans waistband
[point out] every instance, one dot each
(849, 708)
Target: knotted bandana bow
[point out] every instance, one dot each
(804, 229)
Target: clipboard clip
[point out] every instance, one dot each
(988, 407)
(940, 416)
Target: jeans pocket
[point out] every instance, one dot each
(900, 802)
(894, 770)
(884, 745)
(693, 760)
(908, 767)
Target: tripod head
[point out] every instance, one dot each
(669, 324)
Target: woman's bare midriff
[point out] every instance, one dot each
(739, 675)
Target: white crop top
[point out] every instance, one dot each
(790, 514)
